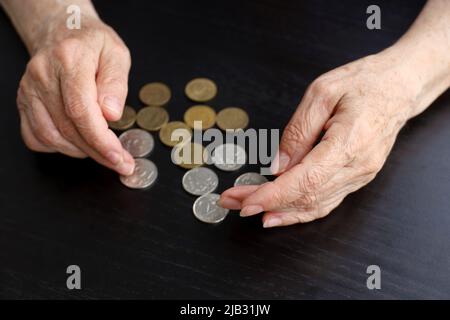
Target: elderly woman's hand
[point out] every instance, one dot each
(360, 107)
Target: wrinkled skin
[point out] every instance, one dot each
(75, 82)
(361, 107)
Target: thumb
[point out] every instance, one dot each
(112, 82)
(305, 126)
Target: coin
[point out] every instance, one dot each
(232, 118)
(250, 179)
(155, 94)
(127, 121)
(188, 155)
(229, 157)
(207, 210)
(199, 181)
(152, 118)
(175, 132)
(204, 114)
(137, 142)
(201, 89)
(144, 175)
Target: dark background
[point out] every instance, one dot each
(56, 211)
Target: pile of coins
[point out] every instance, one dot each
(199, 181)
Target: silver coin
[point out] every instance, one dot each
(207, 210)
(250, 179)
(229, 157)
(144, 175)
(139, 143)
(200, 181)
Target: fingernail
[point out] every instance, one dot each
(272, 222)
(251, 210)
(113, 104)
(126, 169)
(280, 163)
(229, 203)
(114, 157)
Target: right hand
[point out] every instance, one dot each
(75, 81)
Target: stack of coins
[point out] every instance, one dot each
(199, 181)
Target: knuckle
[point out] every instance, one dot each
(319, 87)
(36, 69)
(75, 109)
(295, 132)
(65, 51)
(312, 180)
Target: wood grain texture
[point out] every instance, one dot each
(56, 211)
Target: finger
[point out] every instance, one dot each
(281, 219)
(43, 128)
(79, 93)
(346, 181)
(303, 181)
(233, 197)
(306, 125)
(28, 137)
(112, 82)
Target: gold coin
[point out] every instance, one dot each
(155, 94)
(171, 138)
(232, 118)
(188, 155)
(201, 89)
(127, 121)
(152, 118)
(204, 114)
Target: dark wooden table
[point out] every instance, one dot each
(56, 211)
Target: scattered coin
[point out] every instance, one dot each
(199, 181)
(232, 118)
(250, 179)
(175, 132)
(144, 175)
(206, 115)
(207, 210)
(152, 118)
(189, 155)
(155, 94)
(201, 89)
(137, 142)
(229, 157)
(127, 121)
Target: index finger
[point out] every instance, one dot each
(79, 93)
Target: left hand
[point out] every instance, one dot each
(361, 107)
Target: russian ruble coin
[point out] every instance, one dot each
(206, 209)
(175, 132)
(199, 181)
(155, 94)
(152, 118)
(229, 157)
(232, 118)
(250, 179)
(126, 121)
(144, 175)
(139, 143)
(202, 114)
(189, 155)
(201, 89)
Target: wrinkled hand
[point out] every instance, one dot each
(360, 107)
(75, 81)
